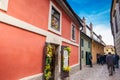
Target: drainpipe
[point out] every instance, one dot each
(81, 28)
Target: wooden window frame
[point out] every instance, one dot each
(52, 6)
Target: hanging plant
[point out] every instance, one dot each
(48, 59)
(66, 69)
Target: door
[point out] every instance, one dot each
(64, 62)
(87, 58)
(51, 61)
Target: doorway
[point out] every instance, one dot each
(51, 62)
(54, 62)
(87, 58)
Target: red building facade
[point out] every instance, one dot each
(26, 26)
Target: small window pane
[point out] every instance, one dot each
(82, 55)
(82, 42)
(88, 44)
(119, 7)
(73, 32)
(55, 19)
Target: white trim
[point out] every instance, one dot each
(32, 77)
(21, 24)
(74, 65)
(72, 24)
(24, 25)
(4, 4)
(49, 20)
(69, 41)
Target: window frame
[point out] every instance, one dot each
(82, 54)
(4, 4)
(50, 16)
(116, 24)
(82, 42)
(73, 25)
(88, 44)
(119, 6)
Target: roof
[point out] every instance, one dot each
(67, 8)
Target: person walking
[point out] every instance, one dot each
(110, 63)
(116, 60)
(90, 59)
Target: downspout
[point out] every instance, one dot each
(81, 28)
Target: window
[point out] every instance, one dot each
(119, 7)
(82, 42)
(4, 4)
(116, 25)
(82, 54)
(54, 19)
(73, 33)
(88, 44)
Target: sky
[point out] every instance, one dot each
(97, 12)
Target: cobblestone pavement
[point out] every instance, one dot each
(97, 72)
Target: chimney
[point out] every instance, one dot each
(100, 37)
(84, 25)
(91, 30)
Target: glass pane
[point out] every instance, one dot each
(55, 19)
(73, 32)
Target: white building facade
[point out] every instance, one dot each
(115, 23)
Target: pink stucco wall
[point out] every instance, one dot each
(73, 55)
(21, 51)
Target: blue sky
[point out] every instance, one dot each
(97, 12)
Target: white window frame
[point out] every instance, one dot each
(49, 21)
(74, 30)
(4, 5)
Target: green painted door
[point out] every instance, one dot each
(87, 58)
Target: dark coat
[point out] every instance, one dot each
(109, 60)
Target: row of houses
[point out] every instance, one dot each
(91, 44)
(115, 24)
(43, 40)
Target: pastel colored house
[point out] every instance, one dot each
(109, 48)
(86, 44)
(39, 40)
(97, 47)
(91, 44)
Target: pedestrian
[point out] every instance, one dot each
(110, 63)
(98, 58)
(116, 60)
(90, 59)
(101, 59)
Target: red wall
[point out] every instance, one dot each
(20, 53)
(73, 55)
(36, 12)
(20, 50)
(32, 11)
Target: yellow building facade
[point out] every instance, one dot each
(109, 48)
(97, 48)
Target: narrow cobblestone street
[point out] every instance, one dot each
(98, 72)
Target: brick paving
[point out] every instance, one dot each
(97, 72)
